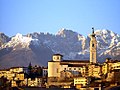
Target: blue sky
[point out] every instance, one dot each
(27, 16)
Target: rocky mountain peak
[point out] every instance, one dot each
(106, 33)
(3, 38)
(66, 33)
(106, 38)
(20, 38)
(70, 35)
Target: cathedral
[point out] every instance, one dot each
(58, 67)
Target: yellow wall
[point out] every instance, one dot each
(94, 71)
(116, 65)
(17, 69)
(53, 69)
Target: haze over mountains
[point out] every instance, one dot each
(38, 48)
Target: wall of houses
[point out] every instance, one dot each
(115, 65)
(12, 73)
(94, 70)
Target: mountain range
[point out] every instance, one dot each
(38, 48)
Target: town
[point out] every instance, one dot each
(73, 74)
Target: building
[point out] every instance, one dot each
(94, 69)
(107, 66)
(36, 82)
(56, 66)
(75, 67)
(19, 69)
(81, 82)
(110, 65)
(13, 72)
(44, 71)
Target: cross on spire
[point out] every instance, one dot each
(93, 30)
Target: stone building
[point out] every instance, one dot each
(57, 66)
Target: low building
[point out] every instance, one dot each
(19, 76)
(18, 69)
(109, 65)
(81, 82)
(36, 82)
(15, 74)
(44, 71)
(13, 83)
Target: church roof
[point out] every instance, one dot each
(76, 65)
(71, 61)
(57, 55)
(75, 62)
(82, 61)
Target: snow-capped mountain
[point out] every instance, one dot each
(19, 41)
(38, 48)
(23, 49)
(108, 43)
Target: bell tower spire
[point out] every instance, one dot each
(93, 48)
(93, 30)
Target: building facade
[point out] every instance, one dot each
(72, 67)
(94, 70)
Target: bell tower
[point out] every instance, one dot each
(93, 48)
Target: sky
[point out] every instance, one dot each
(28, 16)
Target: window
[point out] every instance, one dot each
(92, 45)
(57, 57)
(74, 68)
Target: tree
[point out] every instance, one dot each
(29, 68)
(4, 82)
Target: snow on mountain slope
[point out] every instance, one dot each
(19, 41)
(107, 38)
(107, 43)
